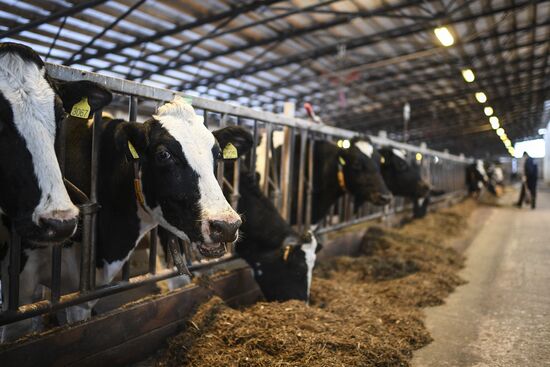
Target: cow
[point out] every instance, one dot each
(477, 178)
(336, 170)
(281, 258)
(403, 179)
(160, 173)
(32, 107)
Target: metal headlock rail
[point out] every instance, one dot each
(445, 171)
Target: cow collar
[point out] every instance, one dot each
(340, 174)
(138, 187)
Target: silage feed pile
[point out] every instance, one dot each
(364, 311)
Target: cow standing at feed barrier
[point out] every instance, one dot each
(477, 179)
(160, 172)
(33, 196)
(336, 170)
(403, 179)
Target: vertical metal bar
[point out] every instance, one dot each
(153, 240)
(132, 116)
(235, 196)
(205, 117)
(309, 182)
(265, 188)
(126, 271)
(89, 233)
(56, 273)
(61, 148)
(133, 109)
(254, 146)
(301, 181)
(14, 269)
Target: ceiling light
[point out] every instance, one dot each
(444, 36)
(468, 75)
(488, 111)
(346, 144)
(481, 97)
(504, 137)
(494, 122)
(508, 143)
(542, 131)
(500, 131)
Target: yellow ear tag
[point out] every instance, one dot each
(286, 253)
(133, 151)
(342, 161)
(230, 152)
(382, 160)
(81, 109)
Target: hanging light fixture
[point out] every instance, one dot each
(488, 111)
(468, 75)
(444, 36)
(481, 97)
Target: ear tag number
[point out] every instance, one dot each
(81, 109)
(342, 161)
(230, 152)
(133, 151)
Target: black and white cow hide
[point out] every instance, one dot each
(403, 179)
(177, 157)
(32, 106)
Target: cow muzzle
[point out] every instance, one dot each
(54, 230)
(220, 233)
(378, 198)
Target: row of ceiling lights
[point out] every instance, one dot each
(446, 38)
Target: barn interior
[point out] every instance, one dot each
(447, 83)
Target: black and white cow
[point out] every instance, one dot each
(403, 179)
(32, 106)
(477, 178)
(174, 164)
(282, 259)
(339, 170)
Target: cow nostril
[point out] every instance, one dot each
(57, 229)
(222, 231)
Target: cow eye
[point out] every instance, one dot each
(163, 156)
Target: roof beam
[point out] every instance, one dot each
(332, 48)
(253, 5)
(64, 12)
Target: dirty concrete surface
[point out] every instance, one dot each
(502, 316)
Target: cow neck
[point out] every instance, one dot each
(122, 220)
(327, 188)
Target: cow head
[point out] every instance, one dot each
(178, 157)
(284, 272)
(360, 164)
(32, 107)
(282, 260)
(402, 178)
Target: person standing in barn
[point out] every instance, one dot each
(528, 181)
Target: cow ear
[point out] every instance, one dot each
(73, 92)
(233, 138)
(131, 138)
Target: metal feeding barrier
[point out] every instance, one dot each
(445, 171)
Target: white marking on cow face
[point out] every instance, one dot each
(309, 251)
(24, 85)
(179, 119)
(399, 153)
(365, 147)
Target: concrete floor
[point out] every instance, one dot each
(502, 316)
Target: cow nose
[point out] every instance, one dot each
(222, 231)
(382, 199)
(57, 230)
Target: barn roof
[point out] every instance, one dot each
(357, 61)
